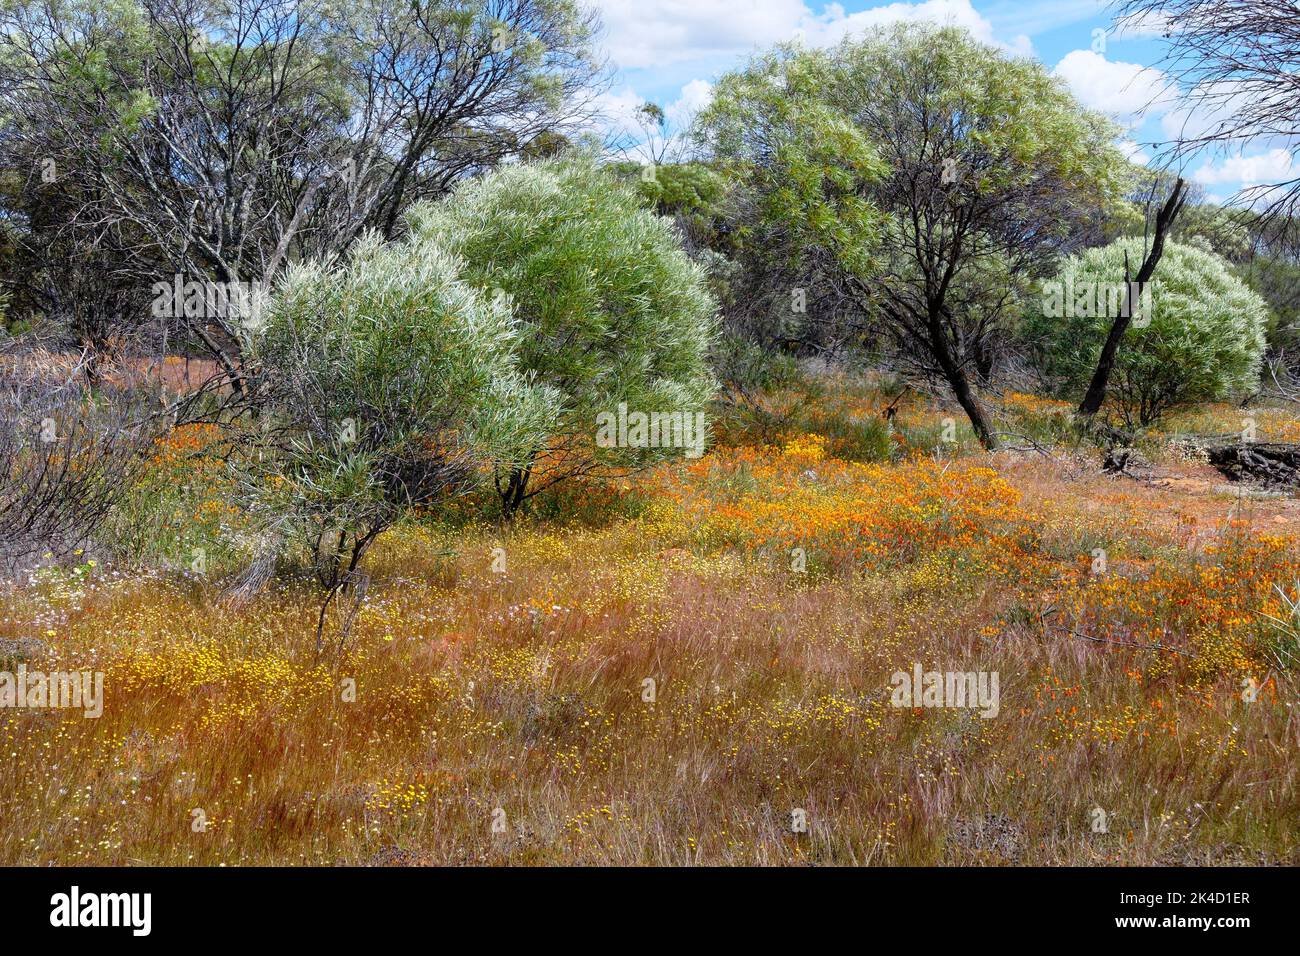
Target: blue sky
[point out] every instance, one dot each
(669, 51)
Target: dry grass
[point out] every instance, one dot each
(521, 698)
(172, 372)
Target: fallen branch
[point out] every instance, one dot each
(1270, 463)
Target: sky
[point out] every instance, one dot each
(670, 51)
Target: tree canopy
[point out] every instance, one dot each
(918, 179)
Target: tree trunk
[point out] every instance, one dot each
(1096, 394)
(974, 410)
(959, 381)
(514, 492)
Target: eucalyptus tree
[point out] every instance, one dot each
(920, 179)
(222, 140)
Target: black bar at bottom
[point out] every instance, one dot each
(334, 906)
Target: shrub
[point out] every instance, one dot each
(389, 384)
(1201, 339)
(613, 311)
(68, 451)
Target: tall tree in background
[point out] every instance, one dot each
(966, 175)
(796, 215)
(222, 139)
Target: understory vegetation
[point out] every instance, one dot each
(480, 681)
(430, 482)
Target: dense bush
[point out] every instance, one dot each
(390, 386)
(140, 138)
(1200, 340)
(613, 312)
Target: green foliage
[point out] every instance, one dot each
(612, 310)
(1134, 205)
(693, 195)
(690, 188)
(805, 167)
(751, 368)
(1215, 229)
(1277, 280)
(1224, 232)
(912, 180)
(1201, 339)
(391, 385)
(691, 191)
(808, 130)
(1018, 124)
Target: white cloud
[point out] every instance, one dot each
(1120, 90)
(1133, 152)
(1021, 45)
(618, 111)
(675, 40)
(1216, 109)
(694, 97)
(655, 33)
(1260, 180)
(1275, 166)
(833, 25)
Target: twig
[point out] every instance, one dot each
(1106, 640)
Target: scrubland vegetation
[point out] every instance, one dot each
(524, 689)
(443, 489)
